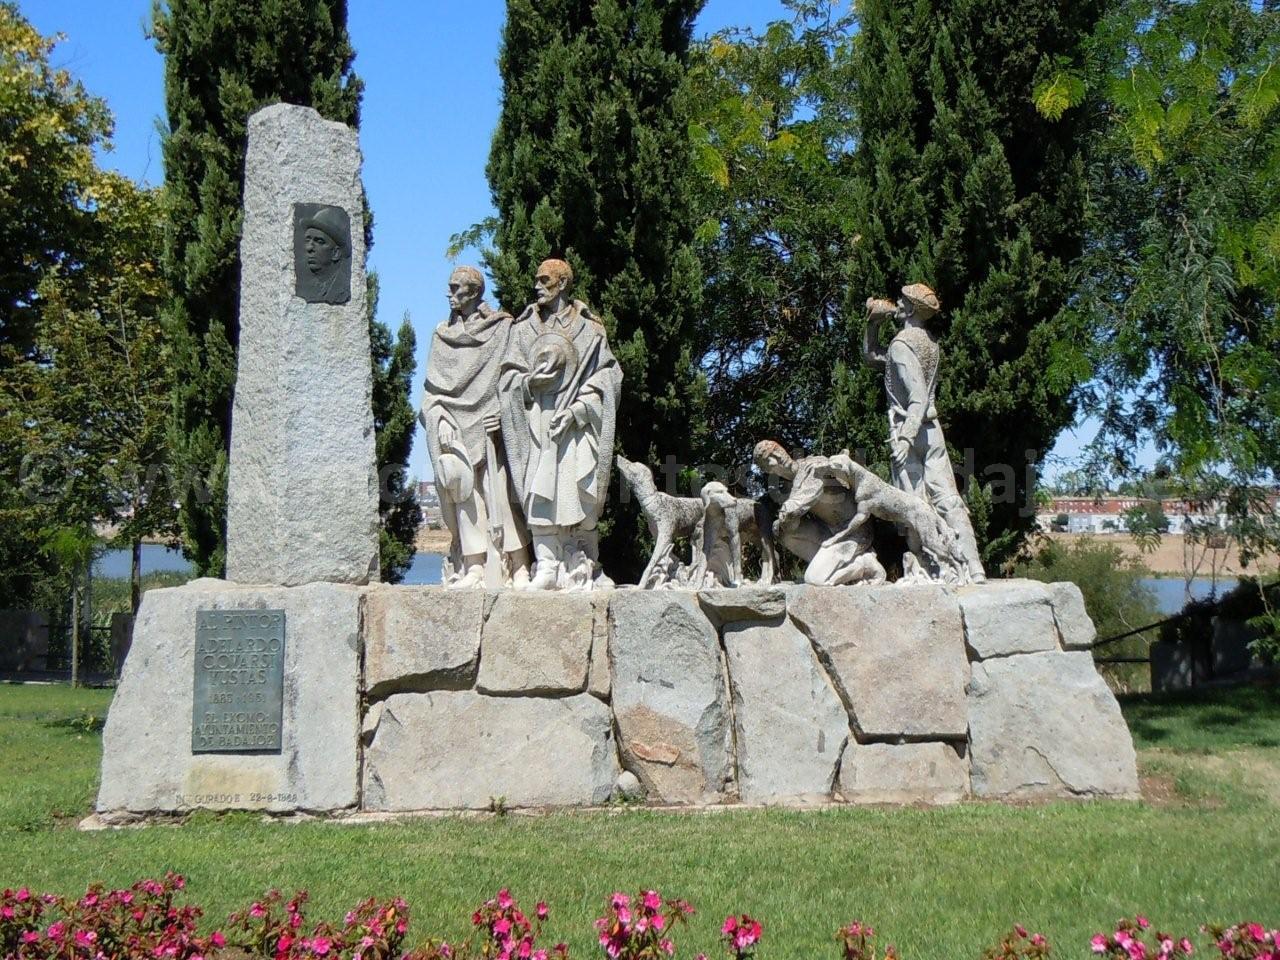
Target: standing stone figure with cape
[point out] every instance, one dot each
(559, 388)
(460, 414)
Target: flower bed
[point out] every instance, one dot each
(146, 922)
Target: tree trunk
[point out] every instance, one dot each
(75, 631)
(135, 577)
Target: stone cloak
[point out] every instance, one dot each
(537, 462)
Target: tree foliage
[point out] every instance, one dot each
(591, 163)
(84, 382)
(959, 182)
(1179, 284)
(394, 422)
(49, 126)
(773, 131)
(223, 61)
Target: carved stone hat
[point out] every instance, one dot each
(922, 298)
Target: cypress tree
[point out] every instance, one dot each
(223, 61)
(394, 422)
(962, 184)
(591, 162)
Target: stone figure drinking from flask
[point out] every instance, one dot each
(560, 387)
(460, 414)
(917, 447)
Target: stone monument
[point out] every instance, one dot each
(292, 694)
(302, 495)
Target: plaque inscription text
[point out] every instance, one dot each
(239, 681)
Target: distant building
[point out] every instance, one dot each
(1106, 514)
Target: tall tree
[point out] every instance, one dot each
(1180, 285)
(959, 182)
(591, 162)
(394, 422)
(49, 127)
(222, 62)
(108, 371)
(773, 133)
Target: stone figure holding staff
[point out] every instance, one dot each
(460, 414)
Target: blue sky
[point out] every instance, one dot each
(430, 105)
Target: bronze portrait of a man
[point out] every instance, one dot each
(322, 253)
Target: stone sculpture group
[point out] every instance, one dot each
(519, 414)
(301, 685)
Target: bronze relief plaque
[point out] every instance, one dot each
(239, 681)
(321, 253)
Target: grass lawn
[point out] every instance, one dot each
(940, 884)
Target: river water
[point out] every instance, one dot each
(426, 569)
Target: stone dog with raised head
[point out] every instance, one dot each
(875, 498)
(668, 518)
(671, 517)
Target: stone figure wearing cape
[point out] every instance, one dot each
(460, 414)
(559, 388)
(917, 447)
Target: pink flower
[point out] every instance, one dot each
(1137, 950)
(284, 943)
(321, 945)
(1143, 922)
(730, 924)
(256, 911)
(502, 926)
(1099, 943)
(6, 912)
(23, 895)
(658, 921)
(1020, 930)
(1256, 931)
(619, 900)
(1037, 939)
(56, 931)
(504, 898)
(218, 940)
(668, 947)
(29, 936)
(652, 901)
(541, 910)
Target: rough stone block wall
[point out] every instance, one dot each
(403, 699)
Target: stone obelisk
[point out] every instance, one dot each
(302, 498)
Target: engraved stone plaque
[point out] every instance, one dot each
(321, 253)
(239, 681)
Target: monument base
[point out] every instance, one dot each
(401, 699)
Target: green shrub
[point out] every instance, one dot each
(1114, 595)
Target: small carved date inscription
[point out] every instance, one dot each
(239, 681)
